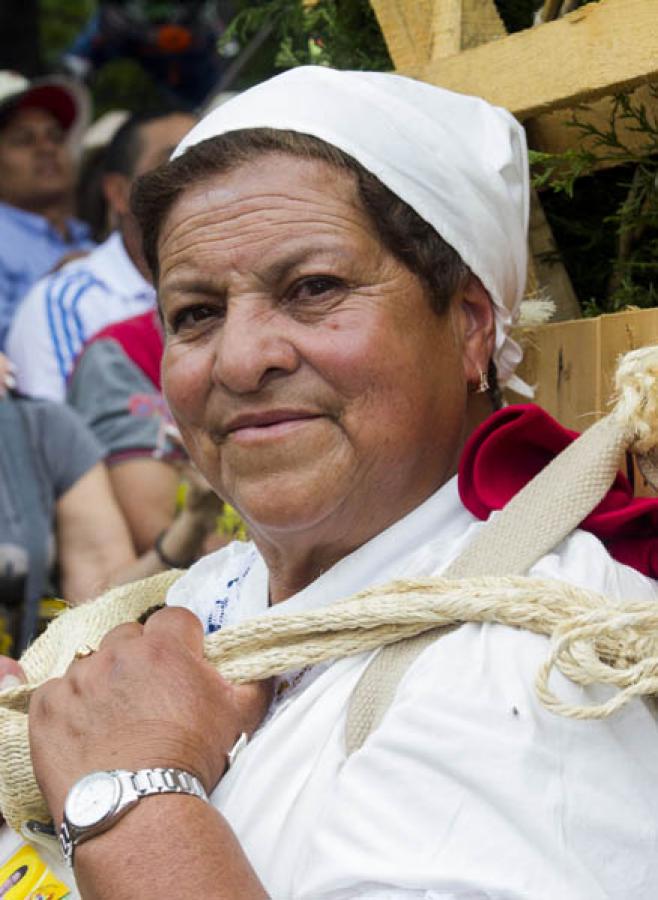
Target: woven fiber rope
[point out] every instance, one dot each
(593, 639)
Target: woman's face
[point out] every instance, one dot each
(313, 384)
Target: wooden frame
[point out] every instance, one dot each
(588, 55)
(563, 62)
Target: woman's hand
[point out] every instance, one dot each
(146, 698)
(11, 674)
(200, 499)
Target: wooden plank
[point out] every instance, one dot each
(480, 23)
(461, 24)
(550, 10)
(572, 365)
(598, 49)
(406, 26)
(446, 28)
(551, 133)
(562, 361)
(621, 333)
(550, 275)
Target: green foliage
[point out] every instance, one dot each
(560, 172)
(123, 84)
(59, 23)
(339, 33)
(606, 223)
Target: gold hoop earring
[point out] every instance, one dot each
(483, 386)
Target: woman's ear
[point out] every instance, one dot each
(116, 188)
(477, 328)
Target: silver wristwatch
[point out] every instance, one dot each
(100, 799)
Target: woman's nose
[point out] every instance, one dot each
(254, 346)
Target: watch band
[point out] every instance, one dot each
(167, 781)
(133, 786)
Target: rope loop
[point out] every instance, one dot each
(593, 641)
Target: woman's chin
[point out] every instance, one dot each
(306, 507)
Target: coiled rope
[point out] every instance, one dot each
(593, 639)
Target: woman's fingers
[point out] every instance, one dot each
(11, 674)
(173, 623)
(252, 701)
(120, 634)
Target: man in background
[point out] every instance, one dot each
(69, 306)
(39, 122)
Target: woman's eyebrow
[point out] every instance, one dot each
(192, 284)
(269, 273)
(279, 268)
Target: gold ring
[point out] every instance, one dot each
(83, 651)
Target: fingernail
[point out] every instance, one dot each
(10, 382)
(9, 682)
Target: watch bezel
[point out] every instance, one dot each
(79, 787)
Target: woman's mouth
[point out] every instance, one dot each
(267, 425)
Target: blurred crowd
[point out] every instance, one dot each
(95, 487)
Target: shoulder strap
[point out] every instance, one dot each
(19, 463)
(541, 515)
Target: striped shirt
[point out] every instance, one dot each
(29, 248)
(65, 309)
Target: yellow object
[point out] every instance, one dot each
(25, 876)
(230, 524)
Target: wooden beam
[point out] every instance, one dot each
(446, 28)
(405, 25)
(598, 49)
(461, 24)
(480, 23)
(551, 277)
(551, 133)
(416, 31)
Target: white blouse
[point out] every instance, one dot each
(469, 788)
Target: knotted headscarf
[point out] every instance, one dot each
(459, 162)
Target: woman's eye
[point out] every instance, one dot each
(191, 316)
(318, 286)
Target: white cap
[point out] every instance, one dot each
(103, 130)
(459, 162)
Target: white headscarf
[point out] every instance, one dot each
(459, 162)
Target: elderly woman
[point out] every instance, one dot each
(338, 258)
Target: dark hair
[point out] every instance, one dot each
(122, 153)
(401, 230)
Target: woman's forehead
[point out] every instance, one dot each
(273, 172)
(275, 191)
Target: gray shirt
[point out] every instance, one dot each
(62, 451)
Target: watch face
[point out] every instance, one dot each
(92, 799)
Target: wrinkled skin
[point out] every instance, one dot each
(320, 394)
(111, 711)
(313, 384)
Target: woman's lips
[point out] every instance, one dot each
(268, 426)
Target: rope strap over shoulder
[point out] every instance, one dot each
(593, 639)
(541, 515)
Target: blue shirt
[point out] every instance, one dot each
(29, 248)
